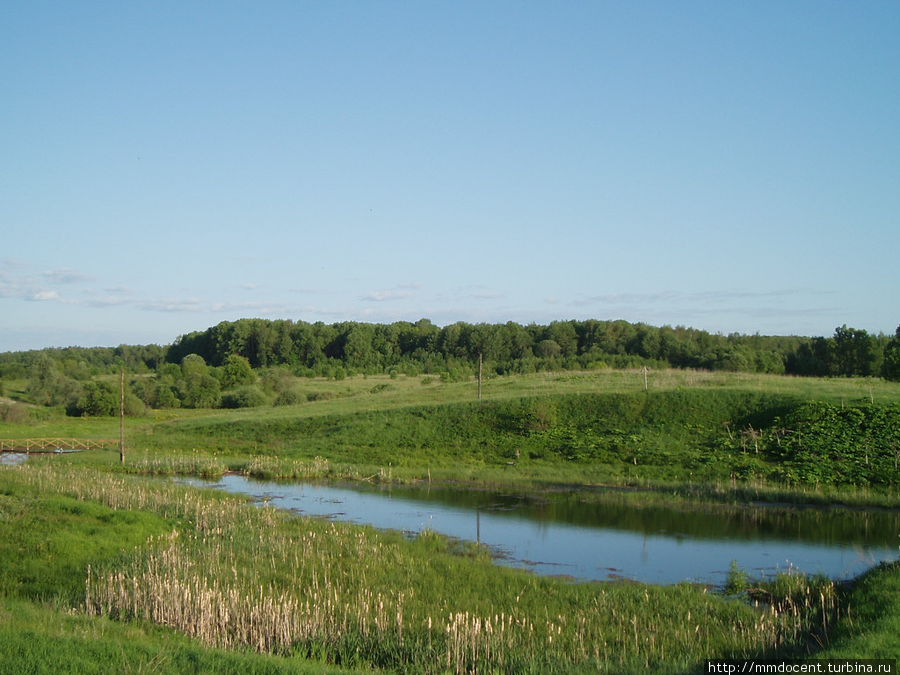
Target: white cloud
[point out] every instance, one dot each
(65, 275)
(382, 296)
(174, 305)
(705, 297)
(105, 301)
(45, 295)
(17, 282)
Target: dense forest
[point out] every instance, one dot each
(511, 347)
(199, 366)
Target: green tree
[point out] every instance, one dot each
(814, 358)
(519, 341)
(47, 386)
(357, 347)
(100, 399)
(236, 371)
(481, 340)
(548, 349)
(563, 333)
(197, 388)
(853, 353)
(645, 342)
(890, 367)
(43, 381)
(244, 397)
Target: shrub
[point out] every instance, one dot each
(237, 371)
(13, 412)
(737, 580)
(319, 396)
(244, 397)
(290, 397)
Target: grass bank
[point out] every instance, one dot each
(237, 577)
(870, 625)
(49, 539)
(717, 444)
(695, 435)
(37, 638)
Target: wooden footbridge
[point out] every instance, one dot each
(34, 445)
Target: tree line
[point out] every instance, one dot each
(220, 365)
(312, 348)
(422, 347)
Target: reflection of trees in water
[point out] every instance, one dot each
(706, 521)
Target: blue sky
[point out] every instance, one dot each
(165, 166)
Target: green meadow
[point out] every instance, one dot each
(110, 567)
(702, 434)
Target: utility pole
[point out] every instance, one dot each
(480, 369)
(478, 525)
(122, 417)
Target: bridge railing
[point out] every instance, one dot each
(53, 444)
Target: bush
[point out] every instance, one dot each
(98, 400)
(456, 375)
(276, 380)
(101, 399)
(290, 397)
(15, 413)
(237, 371)
(737, 580)
(244, 397)
(319, 396)
(821, 443)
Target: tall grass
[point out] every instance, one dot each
(693, 436)
(38, 639)
(529, 429)
(238, 576)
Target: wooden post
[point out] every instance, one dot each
(122, 417)
(478, 525)
(646, 385)
(480, 369)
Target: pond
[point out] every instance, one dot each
(14, 458)
(561, 534)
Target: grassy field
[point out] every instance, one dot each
(690, 432)
(382, 392)
(102, 546)
(872, 626)
(126, 572)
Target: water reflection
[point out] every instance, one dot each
(12, 458)
(559, 534)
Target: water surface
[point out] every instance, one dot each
(559, 534)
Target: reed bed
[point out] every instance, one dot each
(258, 466)
(265, 467)
(239, 576)
(193, 464)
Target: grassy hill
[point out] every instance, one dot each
(218, 573)
(596, 427)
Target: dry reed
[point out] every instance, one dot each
(238, 576)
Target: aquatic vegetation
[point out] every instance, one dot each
(238, 576)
